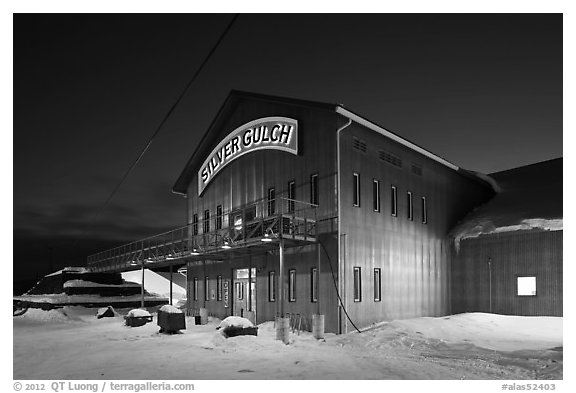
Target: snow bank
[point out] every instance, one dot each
(137, 313)
(90, 284)
(489, 331)
(170, 309)
(235, 321)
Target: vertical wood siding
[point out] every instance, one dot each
(528, 253)
(413, 257)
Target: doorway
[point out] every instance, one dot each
(244, 292)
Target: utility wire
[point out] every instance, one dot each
(166, 117)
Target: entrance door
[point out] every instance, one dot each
(244, 292)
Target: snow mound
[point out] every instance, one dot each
(137, 312)
(170, 309)
(36, 315)
(236, 322)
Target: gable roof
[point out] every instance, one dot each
(236, 96)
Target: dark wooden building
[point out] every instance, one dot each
(363, 215)
(507, 255)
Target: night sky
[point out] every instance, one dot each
(482, 91)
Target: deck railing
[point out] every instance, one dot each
(263, 220)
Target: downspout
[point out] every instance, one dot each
(340, 258)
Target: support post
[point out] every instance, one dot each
(171, 284)
(142, 288)
(318, 318)
(282, 323)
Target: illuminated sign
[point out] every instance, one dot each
(226, 293)
(279, 133)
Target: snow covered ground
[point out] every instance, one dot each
(73, 344)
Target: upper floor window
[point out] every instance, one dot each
(393, 201)
(291, 195)
(219, 217)
(195, 224)
(314, 189)
(376, 195)
(271, 201)
(206, 222)
(357, 285)
(424, 211)
(356, 188)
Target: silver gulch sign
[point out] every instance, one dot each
(279, 133)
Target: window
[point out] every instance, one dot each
(239, 288)
(291, 195)
(314, 189)
(206, 222)
(206, 289)
(409, 204)
(393, 202)
(417, 170)
(195, 288)
(219, 288)
(424, 211)
(271, 201)
(357, 285)
(314, 285)
(292, 285)
(271, 286)
(219, 217)
(356, 188)
(195, 224)
(376, 195)
(526, 286)
(377, 285)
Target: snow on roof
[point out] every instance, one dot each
(69, 269)
(62, 298)
(530, 197)
(90, 284)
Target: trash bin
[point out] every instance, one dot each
(171, 319)
(137, 318)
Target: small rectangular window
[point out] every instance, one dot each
(357, 285)
(219, 288)
(206, 288)
(291, 195)
(271, 201)
(424, 211)
(393, 201)
(206, 222)
(271, 286)
(195, 224)
(314, 189)
(239, 288)
(377, 285)
(314, 285)
(356, 190)
(526, 286)
(376, 195)
(219, 217)
(409, 204)
(195, 288)
(292, 285)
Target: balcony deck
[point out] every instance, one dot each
(256, 227)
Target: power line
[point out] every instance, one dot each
(159, 128)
